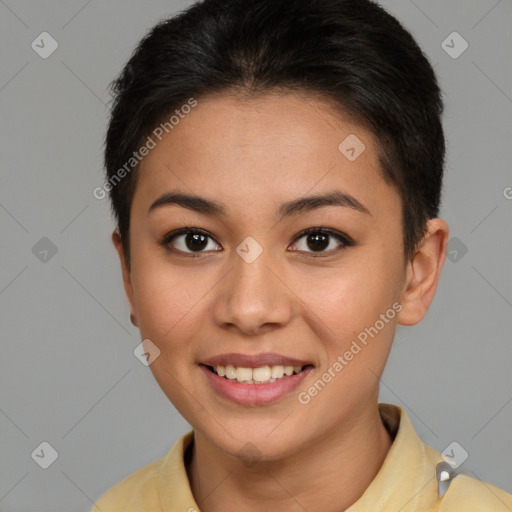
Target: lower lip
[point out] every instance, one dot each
(254, 394)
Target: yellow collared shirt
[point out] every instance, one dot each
(406, 482)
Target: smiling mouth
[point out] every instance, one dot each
(261, 375)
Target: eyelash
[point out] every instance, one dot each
(344, 240)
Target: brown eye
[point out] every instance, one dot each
(321, 240)
(189, 241)
(196, 241)
(318, 241)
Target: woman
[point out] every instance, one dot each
(275, 168)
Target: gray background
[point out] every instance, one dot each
(68, 373)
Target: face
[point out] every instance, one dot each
(233, 281)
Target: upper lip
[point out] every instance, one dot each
(253, 361)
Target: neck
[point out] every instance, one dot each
(330, 474)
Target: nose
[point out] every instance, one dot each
(252, 298)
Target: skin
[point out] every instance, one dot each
(253, 154)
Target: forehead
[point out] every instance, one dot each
(265, 150)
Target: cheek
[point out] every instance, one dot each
(348, 304)
(168, 305)
(166, 298)
(347, 298)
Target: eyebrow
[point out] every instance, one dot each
(302, 204)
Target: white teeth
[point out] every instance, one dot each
(277, 371)
(260, 375)
(243, 374)
(230, 372)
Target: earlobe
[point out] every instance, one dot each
(127, 278)
(423, 273)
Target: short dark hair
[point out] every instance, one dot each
(351, 52)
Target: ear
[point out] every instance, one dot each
(423, 272)
(127, 278)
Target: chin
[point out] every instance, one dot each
(265, 440)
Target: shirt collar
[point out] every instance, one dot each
(173, 483)
(407, 478)
(405, 482)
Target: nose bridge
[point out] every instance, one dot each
(251, 295)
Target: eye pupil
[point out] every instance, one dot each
(195, 241)
(318, 241)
